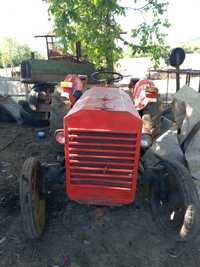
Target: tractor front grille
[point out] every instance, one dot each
(101, 158)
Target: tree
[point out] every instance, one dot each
(94, 24)
(13, 53)
(1, 63)
(191, 48)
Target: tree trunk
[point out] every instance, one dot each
(109, 62)
(109, 55)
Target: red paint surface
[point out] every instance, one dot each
(142, 98)
(102, 146)
(76, 85)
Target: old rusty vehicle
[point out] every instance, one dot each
(43, 75)
(104, 145)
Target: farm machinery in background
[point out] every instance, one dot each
(45, 75)
(105, 140)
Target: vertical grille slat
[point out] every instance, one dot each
(101, 158)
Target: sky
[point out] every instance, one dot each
(23, 19)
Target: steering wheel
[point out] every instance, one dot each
(110, 77)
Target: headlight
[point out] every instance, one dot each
(59, 136)
(146, 141)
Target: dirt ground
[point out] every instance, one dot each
(77, 235)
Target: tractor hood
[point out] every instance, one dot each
(105, 98)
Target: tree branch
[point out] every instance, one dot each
(139, 8)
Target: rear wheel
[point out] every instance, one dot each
(30, 117)
(32, 200)
(175, 202)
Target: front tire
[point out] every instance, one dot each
(32, 201)
(175, 202)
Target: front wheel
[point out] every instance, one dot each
(175, 202)
(32, 201)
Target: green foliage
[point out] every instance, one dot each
(22, 52)
(137, 52)
(1, 62)
(12, 53)
(93, 22)
(38, 55)
(151, 35)
(191, 48)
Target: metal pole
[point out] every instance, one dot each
(47, 44)
(177, 78)
(167, 94)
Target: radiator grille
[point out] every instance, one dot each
(101, 158)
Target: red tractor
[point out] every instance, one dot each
(104, 143)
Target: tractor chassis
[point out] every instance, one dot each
(53, 173)
(166, 185)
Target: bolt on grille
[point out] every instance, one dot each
(101, 158)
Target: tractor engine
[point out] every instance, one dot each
(102, 135)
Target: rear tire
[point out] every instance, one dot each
(176, 209)
(32, 202)
(33, 118)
